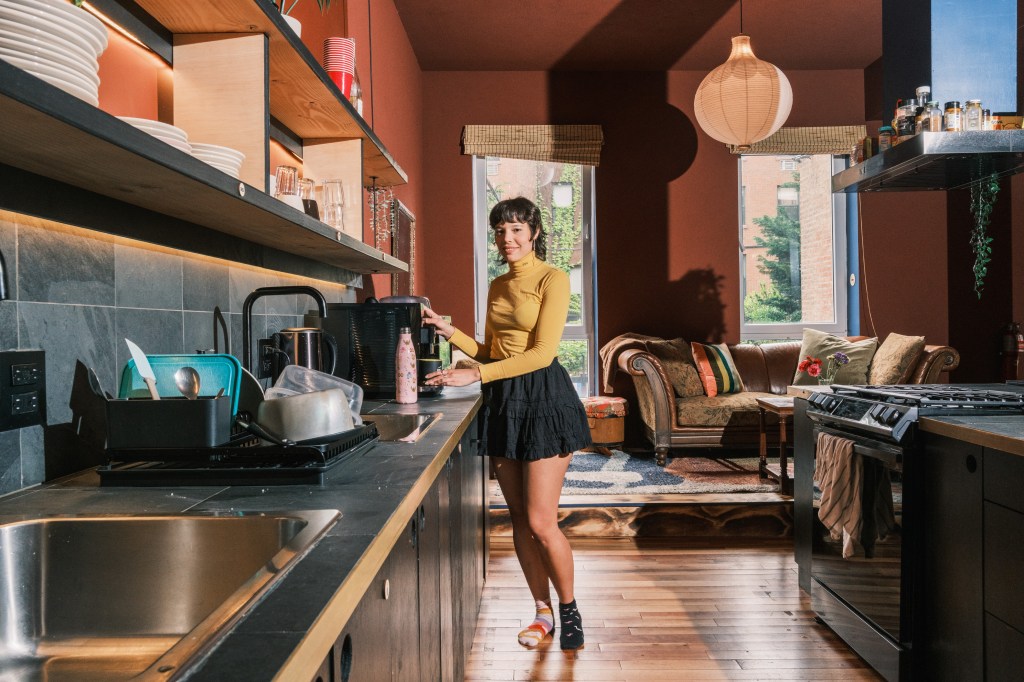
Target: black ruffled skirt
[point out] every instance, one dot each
(533, 416)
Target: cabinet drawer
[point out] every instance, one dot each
(1004, 479)
(1004, 651)
(1004, 555)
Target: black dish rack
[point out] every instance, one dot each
(244, 460)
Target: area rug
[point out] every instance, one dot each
(630, 474)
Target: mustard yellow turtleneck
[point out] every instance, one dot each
(526, 311)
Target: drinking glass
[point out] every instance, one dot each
(334, 204)
(307, 192)
(287, 190)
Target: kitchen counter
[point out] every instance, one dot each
(287, 634)
(1003, 432)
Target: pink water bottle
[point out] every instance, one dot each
(406, 390)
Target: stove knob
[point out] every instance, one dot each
(816, 399)
(876, 411)
(893, 416)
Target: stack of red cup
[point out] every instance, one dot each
(340, 62)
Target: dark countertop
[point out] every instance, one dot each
(287, 634)
(1004, 432)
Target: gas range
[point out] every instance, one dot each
(890, 411)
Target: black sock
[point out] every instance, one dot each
(571, 633)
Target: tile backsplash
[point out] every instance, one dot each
(76, 294)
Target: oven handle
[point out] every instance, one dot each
(890, 454)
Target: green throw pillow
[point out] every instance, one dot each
(820, 345)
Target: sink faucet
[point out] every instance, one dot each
(321, 304)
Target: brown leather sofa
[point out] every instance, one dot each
(731, 420)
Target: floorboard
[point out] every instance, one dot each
(660, 609)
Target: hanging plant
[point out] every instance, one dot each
(983, 198)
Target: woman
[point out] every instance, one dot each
(532, 419)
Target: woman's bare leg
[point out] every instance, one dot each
(511, 479)
(531, 491)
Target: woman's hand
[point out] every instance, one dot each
(454, 377)
(443, 327)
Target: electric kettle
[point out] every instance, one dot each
(306, 347)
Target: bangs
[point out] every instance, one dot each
(514, 211)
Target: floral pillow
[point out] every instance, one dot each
(677, 362)
(820, 345)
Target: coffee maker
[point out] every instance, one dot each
(367, 335)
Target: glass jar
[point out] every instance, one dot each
(884, 138)
(954, 117)
(905, 121)
(997, 122)
(972, 115)
(923, 92)
(933, 117)
(986, 119)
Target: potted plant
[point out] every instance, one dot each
(286, 7)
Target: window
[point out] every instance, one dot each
(792, 246)
(564, 194)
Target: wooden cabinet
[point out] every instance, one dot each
(246, 69)
(418, 617)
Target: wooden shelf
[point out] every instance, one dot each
(55, 135)
(302, 95)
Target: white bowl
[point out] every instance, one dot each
(150, 126)
(81, 93)
(38, 68)
(233, 172)
(76, 44)
(215, 158)
(62, 17)
(73, 73)
(55, 55)
(217, 150)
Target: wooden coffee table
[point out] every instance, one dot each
(782, 407)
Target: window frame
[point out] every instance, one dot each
(587, 329)
(750, 331)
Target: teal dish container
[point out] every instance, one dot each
(216, 371)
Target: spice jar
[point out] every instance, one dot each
(986, 119)
(972, 115)
(884, 138)
(954, 117)
(932, 121)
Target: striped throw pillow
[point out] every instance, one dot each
(716, 368)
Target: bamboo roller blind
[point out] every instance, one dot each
(815, 140)
(579, 144)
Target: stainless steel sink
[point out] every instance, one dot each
(407, 428)
(118, 597)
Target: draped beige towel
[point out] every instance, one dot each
(839, 473)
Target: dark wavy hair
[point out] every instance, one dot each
(521, 210)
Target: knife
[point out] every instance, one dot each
(142, 364)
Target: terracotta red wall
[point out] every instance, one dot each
(393, 106)
(666, 194)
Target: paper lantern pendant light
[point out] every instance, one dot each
(744, 100)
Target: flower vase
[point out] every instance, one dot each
(293, 24)
(824, 382)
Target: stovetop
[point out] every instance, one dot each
(890, 412)
(937, 398)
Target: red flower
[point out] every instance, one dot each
(815, 369)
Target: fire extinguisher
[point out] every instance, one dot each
(1012, 352)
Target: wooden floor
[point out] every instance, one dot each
(657, 609)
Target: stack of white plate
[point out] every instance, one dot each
(55, 41)
(222, 158)
(176, 137)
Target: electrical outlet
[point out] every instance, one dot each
(22, 388)
(265, 359)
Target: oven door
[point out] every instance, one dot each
(870, 582)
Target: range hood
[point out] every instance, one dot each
(936, 161)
